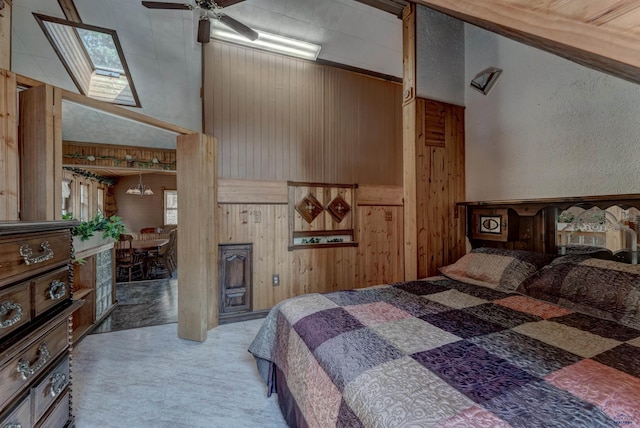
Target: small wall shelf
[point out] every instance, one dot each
(321, 215)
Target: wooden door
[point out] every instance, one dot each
(234, 276)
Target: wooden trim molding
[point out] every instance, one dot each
(606, 48)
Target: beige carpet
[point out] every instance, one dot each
(148, 377)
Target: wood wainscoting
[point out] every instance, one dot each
(377, 259)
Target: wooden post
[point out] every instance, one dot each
(5, 36)
(197, 235)
(409, 177)
(39, 159)
(9, 174)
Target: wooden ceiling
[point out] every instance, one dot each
(601, 34)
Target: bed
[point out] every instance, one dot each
(502, 338)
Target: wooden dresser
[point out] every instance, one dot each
(35, 324)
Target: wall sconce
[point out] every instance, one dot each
(486, 79)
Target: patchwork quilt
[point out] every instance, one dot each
(444, 353)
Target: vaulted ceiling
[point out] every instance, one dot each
(164, 57)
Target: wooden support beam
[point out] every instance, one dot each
(607, 48)
(409, 171)
(69, 9)
(197, 236)
(9, 158)
(38, 159)
(122, 112)
(5, 36)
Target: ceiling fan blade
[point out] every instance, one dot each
(204, 30)
(225, 3)
(238, 27)
(163, 5)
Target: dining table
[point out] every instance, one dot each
(149, 244)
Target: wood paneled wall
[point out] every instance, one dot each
(440, 184)
(9, 158)
(376, 260)
(280, 118)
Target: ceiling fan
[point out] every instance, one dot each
(209, 9)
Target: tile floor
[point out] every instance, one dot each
(147, 377)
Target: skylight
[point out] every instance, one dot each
(94, 59)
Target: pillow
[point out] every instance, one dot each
(598, 252)
(603, 288)
(497, 268)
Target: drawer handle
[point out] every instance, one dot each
(57, 290)
(58, 382)
(27, 253)
(24, 367)
(5, 308)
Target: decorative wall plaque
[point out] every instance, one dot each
(320, 215)
(309, 208)
(338, 208)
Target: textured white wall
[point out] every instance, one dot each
(440, 57)
(549, 128)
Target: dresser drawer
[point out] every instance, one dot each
(50, 388)
(50, 289)
(15, 307)
(28, 364)
(20, 416)
(32, 253)
(59, 416)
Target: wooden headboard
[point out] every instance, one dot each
(529, 224)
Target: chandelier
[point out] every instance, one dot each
(139, 189)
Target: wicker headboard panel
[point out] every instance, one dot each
(529, 224)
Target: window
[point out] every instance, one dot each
(84, 202)
(94, 59)
(170, 207)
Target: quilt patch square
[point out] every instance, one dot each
(413, 335)
(625, 358)
(539, 404)
(347, 355)
(375, 313)
(613, 391)
(455, 299)
(480, 292)
(462, 324)
(420, 288)
(316, 328)
(301, 306)
(474, 417)
(501, 315)
(473, 371)
(598, 326)
(346, 417)
(403, 388)
(570, 339)
(320, 389)
(534, 307)
(522, 351)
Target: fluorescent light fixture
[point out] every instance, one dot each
(267, 42)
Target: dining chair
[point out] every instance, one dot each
(127, 259)
(166, 257)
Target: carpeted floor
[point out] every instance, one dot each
(149, 378)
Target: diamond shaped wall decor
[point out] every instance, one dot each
(338, 208)
(309, 208)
